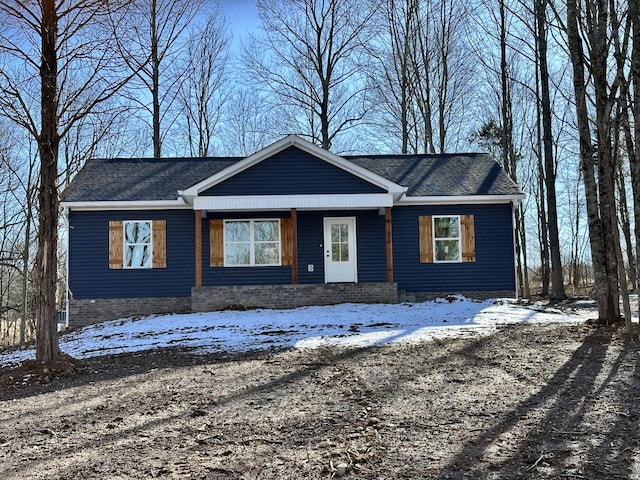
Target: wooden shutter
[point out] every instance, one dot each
(468, 238)
(286, 237)
(159, 246)
(425, 229)
(116, 242)
(216, 243)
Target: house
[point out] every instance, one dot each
(290, 225)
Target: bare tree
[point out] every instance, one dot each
(152, 35)
(393, 50)
(451, 71)
(17, 185)
(422, 85)
(24, 193)
(443, 75)
(56, 68)
(507, 132)
(248, 121)
(306, 58)
(557, 279)
(202, 91)
(590, 20)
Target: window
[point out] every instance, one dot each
(251, 242)
(340, 242)
(137, 244)
(446, 239)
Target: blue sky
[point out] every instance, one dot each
(242, 16)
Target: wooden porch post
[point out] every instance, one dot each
(389, 243)
(198, 248)
(294, 239)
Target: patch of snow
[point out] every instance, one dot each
(347, 325)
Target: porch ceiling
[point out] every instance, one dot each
(300, 202)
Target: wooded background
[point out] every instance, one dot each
(550, 88)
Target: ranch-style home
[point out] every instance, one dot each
(288, 226)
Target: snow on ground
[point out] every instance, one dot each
(348, 325)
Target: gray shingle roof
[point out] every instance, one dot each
(442, 175)
(140, 179)
(161, 179)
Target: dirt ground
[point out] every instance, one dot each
(535, 402)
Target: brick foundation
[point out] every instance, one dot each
(86, 312)
(203, 299)
(291, 296)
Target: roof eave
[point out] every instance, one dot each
(126, 205)
(461, 199)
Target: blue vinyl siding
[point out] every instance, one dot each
(89, 273)
(372, 253)
(372, 266)
(494, 265)
(90, 276)
(370, 249)
(292, 172)
(310, 247)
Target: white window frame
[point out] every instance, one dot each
(252, 242)
(435, 239)
(125, 244)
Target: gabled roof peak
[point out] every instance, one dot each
(281, 145)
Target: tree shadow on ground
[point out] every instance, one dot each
(566, 440)
(113, 367)
(141, 364)
(593, 387)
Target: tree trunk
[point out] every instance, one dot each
(621, 128)
(598, 208)
(155, 81)
(634, 160)
(625, 224)
(404, 44)
(623, 283)
(543, 236)
(46, 264)
(505, 139)
(557, 280)
(24, 309)
(324, 118)
(606, 162)
(422, 76)
(521, 253)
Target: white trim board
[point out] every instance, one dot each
(460, 200)
(127, 205)
(286, 202)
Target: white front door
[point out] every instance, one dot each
(340, 250)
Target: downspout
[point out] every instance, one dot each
(65, 219)
(513, 240)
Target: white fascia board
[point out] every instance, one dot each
(460, 200)
(288, 141)
(127, 205)
(286, 202)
